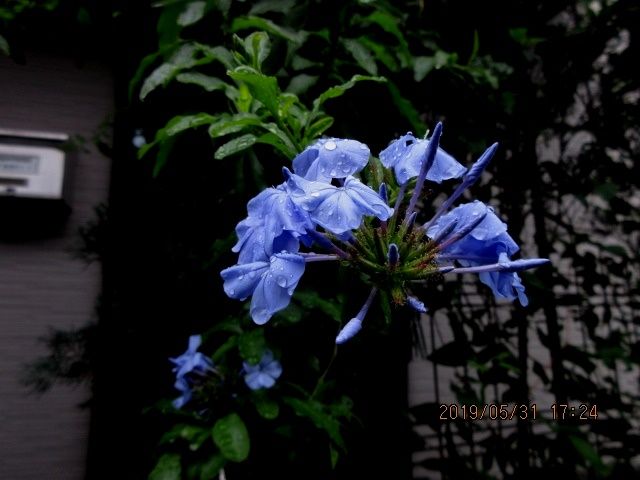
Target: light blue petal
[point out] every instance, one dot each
(253, 380)
(367, 198)
(273, 291)
(273, 369)
(194, 343)
(338, 213)
(331, 158)
(416, 304)
(241, 280)
(248, 368)
(396, 150)
(265, 380)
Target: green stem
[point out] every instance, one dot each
(320, 381)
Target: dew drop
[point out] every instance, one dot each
(330, 145)
(333, 173)
(315, 194)
(232, 291)
(273, 259)
(240, 277)
(281, 281)
(363, 147)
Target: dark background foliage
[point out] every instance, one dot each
(553, 82)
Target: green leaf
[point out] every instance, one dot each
(389, 24)
(234, 146)
(263, 88)
(586, 450)
(4, 46)
(218, 54)
(257, 23)
(184, 57)
(211, 468)
(339, 90)
(207, 82)
(312, 300)
(362, 55)
(381, 52)
(257, 46)
(301, 83)
(167, 468)
(266, 407)
(335, 455)
(421, 67)
(233, 124)
(318, 127)
(193, 434)
(180, 123)
(385, 305)
(281, 6)
(222, 350)
(405, 107)
(252, 345)
(232, 438)
(313, 410)
(192, 13)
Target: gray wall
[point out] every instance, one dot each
(41, 284)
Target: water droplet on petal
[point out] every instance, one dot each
(363, 147)
(232, 291)
(333, 173)
(240, 277)
(272, 259)
(330, 145)
(315, 194)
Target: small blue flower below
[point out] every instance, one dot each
(264, 374)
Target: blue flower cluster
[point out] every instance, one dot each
(323, 203)
(279, 219)
(189, 368)
(193, 368)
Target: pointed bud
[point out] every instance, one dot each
(286, 173)
(430, 156)
(349, 331)
(354, 325)
(416, 304)
(478, 167)
(393, 255)
(382, 191)
(445, 231)
(507, 267)
(411, 221)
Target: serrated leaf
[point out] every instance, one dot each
(167, 468)
(233, 124)
(232, 438)
(252, 345)
(207, 82)
(257, 23)
(339, 90)
(262, 87)
(234, 146)
(362, 55)
(192, 13)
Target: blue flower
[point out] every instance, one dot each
(331, 158)
(187, 365)
(338, 209)
(264, 374)
(270, 283)
(274, 224)
(182, 386)
(405, 156)
(487, 243)
(192, 360)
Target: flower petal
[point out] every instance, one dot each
(241, 280)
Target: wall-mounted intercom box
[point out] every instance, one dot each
(34, 182)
